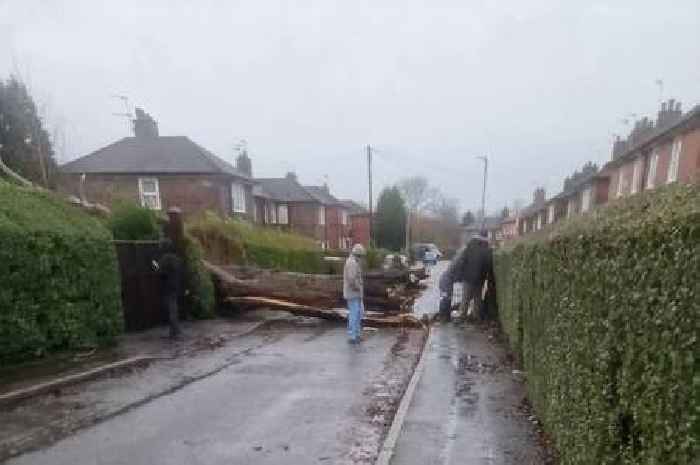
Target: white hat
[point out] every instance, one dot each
(357, 249)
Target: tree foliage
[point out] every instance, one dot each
(390, 219)
(468, 218)
(416, 192)
(26, 146)
(604, 314)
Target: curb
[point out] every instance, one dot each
(21, 394)
(387, 450)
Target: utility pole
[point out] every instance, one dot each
(483, 192)
(369, 179)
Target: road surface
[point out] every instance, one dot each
(304, 396)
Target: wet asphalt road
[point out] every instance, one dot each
(299, 399)
(467, 407)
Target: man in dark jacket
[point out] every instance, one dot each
(170, 269)
(476, 270)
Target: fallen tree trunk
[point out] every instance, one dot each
(324, 291)
(373, 319)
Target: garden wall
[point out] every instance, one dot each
(604, 314)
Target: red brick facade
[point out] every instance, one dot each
(359, 229)
(191, 193)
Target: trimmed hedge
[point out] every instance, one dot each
(200, 299)
(131, 222)
(234, 241)
(60, 282)
(604, 314)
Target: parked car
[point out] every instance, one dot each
(419, 251)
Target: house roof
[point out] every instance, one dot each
(157, 155)
(656, 134)
(284, 190)
(354, 208)
(321, 194)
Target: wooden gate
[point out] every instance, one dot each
(140, 284)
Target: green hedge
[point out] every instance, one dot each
(130, 222)
(604, 314)
(200, 299)
(59, 285)
(234, 241)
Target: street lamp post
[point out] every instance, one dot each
(483, 192)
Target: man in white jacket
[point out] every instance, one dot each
(353, 292)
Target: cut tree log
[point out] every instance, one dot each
(385, 291)
(373, 319)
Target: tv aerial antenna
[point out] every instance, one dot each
(127, 111)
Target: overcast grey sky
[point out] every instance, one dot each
(538, 85)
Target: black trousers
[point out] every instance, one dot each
(173, 315)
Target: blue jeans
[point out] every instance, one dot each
(355, 311)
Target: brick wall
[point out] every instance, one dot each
(359, 229)
(192, 193)
(689, 168)
(303, 219)
(335, 230)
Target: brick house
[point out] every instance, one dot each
(285, 204)
(359, 223)
(158, 172)
(657, 154)
(534, 216)
(334, 219)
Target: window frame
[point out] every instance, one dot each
(675, 161)
(344, 217)
(586, 198)
(321, 215)
(282, 219)
(653, 168)
(620, 181)
(143, 194)
(238, 188)
(637, 169)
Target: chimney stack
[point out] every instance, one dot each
(292, 176)
(539, 197)
(619, 147)
(670, 113)
(244, 164)
(145, 127)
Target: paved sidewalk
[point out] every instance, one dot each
(469, 406)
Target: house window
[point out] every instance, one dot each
(282, 214)
(273, 214)
(570, 208)
(675, 160)
(237, 198)
(343, 217)
(620, 181)
(539, 221)
(321, 215)
(149, 193)
(637, 175)
(550, 214)
(586, 199)
(653, 162)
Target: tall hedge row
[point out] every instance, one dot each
(605, 315)
(59, 281)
